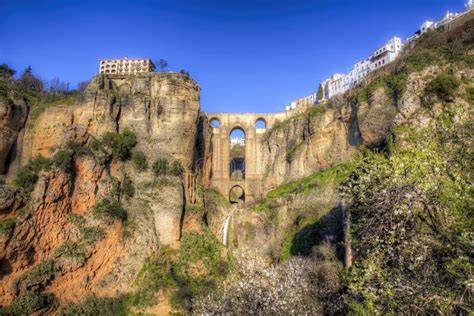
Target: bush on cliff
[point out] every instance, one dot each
(160, 167)
(177, 168)
(155, 275)
(444, 87)
(109, 210)
(127, 188)
(28, 175)
(121, 144)
(199, 268)
(28, 303)
(139, 161)
(93, 305)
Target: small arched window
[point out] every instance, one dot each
(215, 123)
(260, 124)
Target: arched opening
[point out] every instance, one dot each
(236, 194)
(260, 124)
(215, 123)
(237, 154)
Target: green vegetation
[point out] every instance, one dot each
(412, 215)
(121, 144)
(291, 150)
(42, 273)
(334, 174)
(109, 210)
(200, 265)
(71, 249)
(177, 168)
(94, 305)
(28, 303)
(44, 101)
(470, 95)
(309, 230)
(160, 167)
(155, 275)
(444, 87)
(7, 225)
(127, 188)
(90, 235)
(320, 93)
(28, 175)
(139, 161)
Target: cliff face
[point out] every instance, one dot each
(161, 109)
(54, 231)
(13, 114)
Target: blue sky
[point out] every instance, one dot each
(247, 55)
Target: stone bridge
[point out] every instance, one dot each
(250, 186)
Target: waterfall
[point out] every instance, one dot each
(225, 235)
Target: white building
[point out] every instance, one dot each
(340, 83)
(302, 103)
(334, 85)
(386, 54)
(125, 66)
(469, 5)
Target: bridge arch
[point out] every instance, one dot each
(215, 122)
(237, 155)
(261, 123)
(254, 127)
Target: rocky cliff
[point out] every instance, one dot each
(51, 241)
(161, 109)
(110, 196)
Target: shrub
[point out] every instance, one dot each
(444, 87)
(121, 144)
(70, 249)
(41, 273)
(139, 161)
(127, 187)
(7, 225)
(177, 168)
(108, 210)
(94, 305)
(28, 175)
(63, 160)
(90, 235)
(28, 303)
(160, 167)
(156, 274)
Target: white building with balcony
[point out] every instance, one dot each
(125, 66)
(386, 54)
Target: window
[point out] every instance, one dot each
(260, 123)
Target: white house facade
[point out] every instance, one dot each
(340, 83)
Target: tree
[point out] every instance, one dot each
(81, 86)
(320, 94)
(162, 64)
(57, 86)
(6, 72)
(29, 83)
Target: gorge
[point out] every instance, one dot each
(117, 199)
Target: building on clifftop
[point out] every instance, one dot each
(125, 66)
